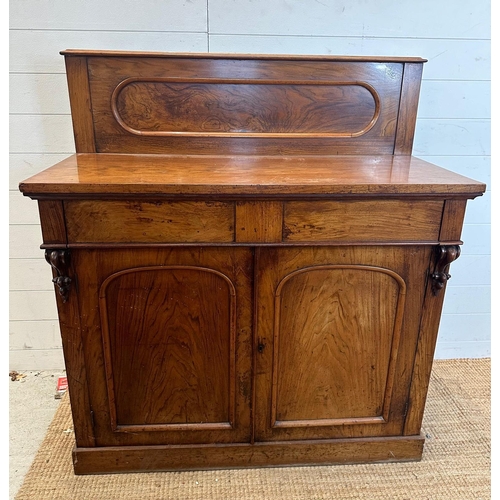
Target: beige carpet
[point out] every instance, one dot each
(455, 465)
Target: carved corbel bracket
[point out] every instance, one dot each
(59, 260)
(446, 254)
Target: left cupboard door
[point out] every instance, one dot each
(167, 343)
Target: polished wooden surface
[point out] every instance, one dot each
(249, 264)
(312, 327)
(202, 105)
(229, 175)
(317, 354)
(200, 108)
(204, 55)
(149, 222)
(81, 106)
(77, 369)
(259, 221)
(54, 227)
(168, 343)
(365, 220)
(410, 91)
(453, 220)
(284, 453)
(169, 331)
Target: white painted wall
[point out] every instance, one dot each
(453, 121)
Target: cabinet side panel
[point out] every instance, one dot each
(429, 326)
(81, 105)
(452, 222)
(76, 371)
(412, 76)
(52, 221)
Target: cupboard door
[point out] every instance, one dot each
(336, 333)
(167, 341)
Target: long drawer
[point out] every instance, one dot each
(362, 221)
(103, 221)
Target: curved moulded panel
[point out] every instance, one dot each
(334, 363)
(169, 332)
(244, 108)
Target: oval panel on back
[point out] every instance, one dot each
(162, 107)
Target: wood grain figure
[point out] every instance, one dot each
(315, 354)
(180, 321)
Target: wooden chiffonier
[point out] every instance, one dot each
(249, 263)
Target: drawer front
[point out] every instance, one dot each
(149, 222)
(363, 221)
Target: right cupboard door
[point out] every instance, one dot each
(336, 334)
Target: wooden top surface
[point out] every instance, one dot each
(212, 55)
(221, 175)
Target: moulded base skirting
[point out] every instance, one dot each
(104, 460)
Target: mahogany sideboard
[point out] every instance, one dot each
(249, 263)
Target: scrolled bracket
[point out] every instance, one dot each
(446, 254)
(60, 260)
